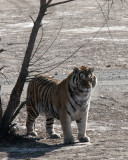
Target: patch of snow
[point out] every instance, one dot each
(26, 24)
(109, 39)
(96, 29)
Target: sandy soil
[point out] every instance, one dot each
(70, 26)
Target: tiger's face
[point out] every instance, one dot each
(83, 78)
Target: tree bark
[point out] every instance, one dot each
(15, 96)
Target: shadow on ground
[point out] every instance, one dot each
(22, 148)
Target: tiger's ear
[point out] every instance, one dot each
(91, 70)
(75, 70)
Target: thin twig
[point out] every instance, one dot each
(12, 125)
(48, 3)
(32, 71)
(40, 46)
(4, 74)
(71, 55)
(18, 110)
(32, 19)
(37, 45)
(45, 42)
(2, 68)
(48, 47)
(107, 25)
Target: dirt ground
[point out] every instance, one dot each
(67, 27)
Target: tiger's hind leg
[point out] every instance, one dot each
(50, 127)
(32, 114)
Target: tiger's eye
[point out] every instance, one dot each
(82, 76)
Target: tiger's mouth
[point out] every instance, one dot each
(82, 90)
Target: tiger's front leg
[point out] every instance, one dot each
(32, 114)
(50, 127)
(82, 126)
(66, 127)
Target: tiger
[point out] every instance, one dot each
(67, 100)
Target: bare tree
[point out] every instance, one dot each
(14, 105)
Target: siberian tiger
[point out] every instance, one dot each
(67, 100)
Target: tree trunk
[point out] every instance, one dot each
(15, 96)
(0, 105)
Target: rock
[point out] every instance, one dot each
(108, 65)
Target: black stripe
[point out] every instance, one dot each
(32, 111)
(55, 114)
(81, 91)
(49, 108)
(45, 100)
(31, 102)
(46, 107)
(31, 120)
(49, 124)
(49, 119)
(36, 112)
(48, 127)
(74, 78)
(72, 106)
(43, 84)
(78, 121)
(41, 81)
(68, 112)
(73, 96)
(45, 92)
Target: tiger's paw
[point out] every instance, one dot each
(33, 133)
(69, 140)
(55, 136)
(84, 139)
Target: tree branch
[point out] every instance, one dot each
(18, 110)
(4, 74)
(32, 19)
(106, 20)
(48, 47)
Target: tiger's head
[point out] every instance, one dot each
(83, 79)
